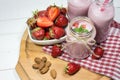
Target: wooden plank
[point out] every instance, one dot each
(29, 50)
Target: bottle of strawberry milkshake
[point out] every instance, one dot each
(101, 12)
(78, 8)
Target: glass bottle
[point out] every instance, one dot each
(101, 12)
(80, 37)
(78, 8)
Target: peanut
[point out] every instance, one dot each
(53, 73)
(37, 60)
(44, 59)
(35, 66)
(42, 65)
(44, 70)
(48, 64)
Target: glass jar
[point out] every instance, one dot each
(101, 12)
(80, 37)
(78, 8)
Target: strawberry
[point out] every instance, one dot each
(63, 11)
(38, 33)
(57, 32)
(98, 53)
(42, 13)
(53, 12)
(44, 22)
(72, 68)
(61, 21)
(47, 36)
(56, 51)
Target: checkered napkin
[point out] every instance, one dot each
(109, 64)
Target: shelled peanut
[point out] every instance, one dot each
(41, 64)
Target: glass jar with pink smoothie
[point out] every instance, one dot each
(101, 12)
(78, 8)
(80, 37)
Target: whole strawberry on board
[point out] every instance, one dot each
(56, 51)
(72, 68)
(38, 33)
(98, 52)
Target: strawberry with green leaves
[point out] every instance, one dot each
(56, 51)
(72, 68)
(57, 32)
(38, 33)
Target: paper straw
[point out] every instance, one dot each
(103, 6)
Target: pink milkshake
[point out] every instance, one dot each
(101, 13)
(80, 37)
(78, 8)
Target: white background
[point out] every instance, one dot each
(13, 16)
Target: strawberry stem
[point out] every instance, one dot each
(35, 13)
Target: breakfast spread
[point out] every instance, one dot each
(82, 28)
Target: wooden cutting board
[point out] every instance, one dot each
(29, 50)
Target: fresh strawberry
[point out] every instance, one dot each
(61, 21)
(63, 11)
(53, 12)
(72, 68)
(56, 51)
(44, 22)
(38, 33)
(57, 32)
(98, 53)
(47, 36)
(42, 13)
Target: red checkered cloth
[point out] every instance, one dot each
(109, 64)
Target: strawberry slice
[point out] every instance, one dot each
(53, 12)
(44, 22)
(72, 68)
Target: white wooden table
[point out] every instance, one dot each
(13, 15)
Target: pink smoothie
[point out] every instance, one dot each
(102, 17)
(80, 34)
(78, 8)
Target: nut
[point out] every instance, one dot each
(44, 59)
(42, 65)
(48, 64)
(35, 66)
(44, 70)
(37, 60)
(53, 73)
